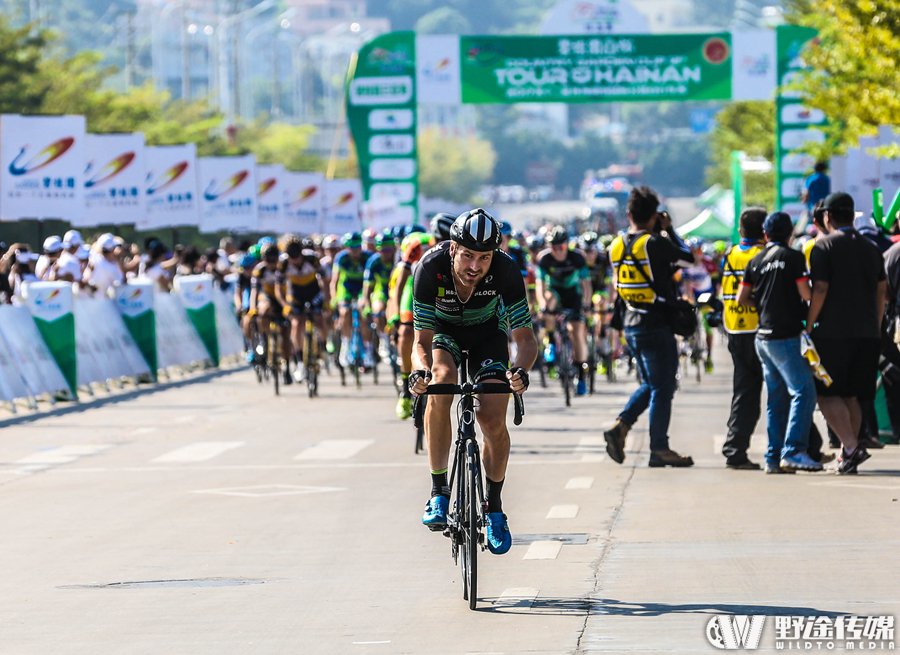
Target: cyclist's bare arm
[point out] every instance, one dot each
(422, 357)
(279, 294)
(586, 292)
(526, 353)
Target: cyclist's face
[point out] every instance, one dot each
(590, 254)
(470, 266)
(387, 253)
(271, 262)
(559, 251)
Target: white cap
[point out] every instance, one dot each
(862, 222)
(23, 256)
(72, 238)
(84, 252)
(53, 244)
(107, 242)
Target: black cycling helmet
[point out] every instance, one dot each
(588, 241)
(269, 251)
(293, 249)
(440, 226)
(534, 242)
(476, 230)
(557, 236)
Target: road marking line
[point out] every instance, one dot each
(518, 597)
(563, 512)
(60, 455)
(335, 449)
(360, 643)
(587, 448)
(265, 490)
(198, 452)
(580, 483)
(543, 550)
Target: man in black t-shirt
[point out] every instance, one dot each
(775, 282)
(848, 298)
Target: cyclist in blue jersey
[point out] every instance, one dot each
(348, 272)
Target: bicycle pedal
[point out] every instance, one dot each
(437, 528)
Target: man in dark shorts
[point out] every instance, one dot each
(466, 294)
(848, 299)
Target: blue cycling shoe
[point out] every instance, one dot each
(550, 353)
(580, 388)
(435, 516)
(498, 537)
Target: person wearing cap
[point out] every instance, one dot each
(776, 284)
(68, 267)
(105, 270)
(845, 314)
(53, 246)
(22, 272)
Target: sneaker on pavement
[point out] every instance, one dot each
(498, 537)
(404, 408)
(580, 388)
(659, 458)
(745, 465)
(827, 457)
(847, 464)
(435, 516)
(800, 462)
(615, 441)
(869, 443)
(250, 356)
(775, 469)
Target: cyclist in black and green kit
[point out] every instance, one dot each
(563, 283)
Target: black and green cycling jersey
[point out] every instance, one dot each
(499, 296)
(562, 275)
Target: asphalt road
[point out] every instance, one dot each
(212, 517)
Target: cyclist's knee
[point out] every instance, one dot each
(492, 419)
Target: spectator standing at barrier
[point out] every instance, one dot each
(151, 267)
(848, 299)
(68, 267)
(817, 186)
(741, 322)
(776, 283)
(22, 272)
(890, 363)
(53, 246)
(105, 270)
(644, 263)
(866, 226)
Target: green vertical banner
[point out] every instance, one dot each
(737, 186)
(135, 303)
(795, 124)
(381, 112)
(195, 292)
(50, 304)
(587, 68)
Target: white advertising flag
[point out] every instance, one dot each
(228, 194)
(342, 198)
(172, 199)
(270, 189)
(753, 65)
(41, 167)
(869, 174)
(304, 197)
(114, 180)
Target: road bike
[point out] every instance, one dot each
(565, 364)
(466, 518)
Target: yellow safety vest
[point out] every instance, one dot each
(739, 319)
(807, 250)
(631, 284)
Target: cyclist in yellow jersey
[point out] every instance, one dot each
(741, 323)
(263, 298)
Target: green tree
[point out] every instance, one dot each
(855, 65)
(443, 20)
(453, 168)
(748, 126)
(20, 59)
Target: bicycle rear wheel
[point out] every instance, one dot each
(591, 361)
(274, 358)
(565, 370)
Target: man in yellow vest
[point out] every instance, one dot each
(741, 323)
(644, 262)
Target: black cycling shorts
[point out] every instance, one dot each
(311, 295)
(852, 365)
(488, 348)
(570, 299)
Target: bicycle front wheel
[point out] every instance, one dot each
(470, 545)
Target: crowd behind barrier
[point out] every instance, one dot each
(79, 315)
